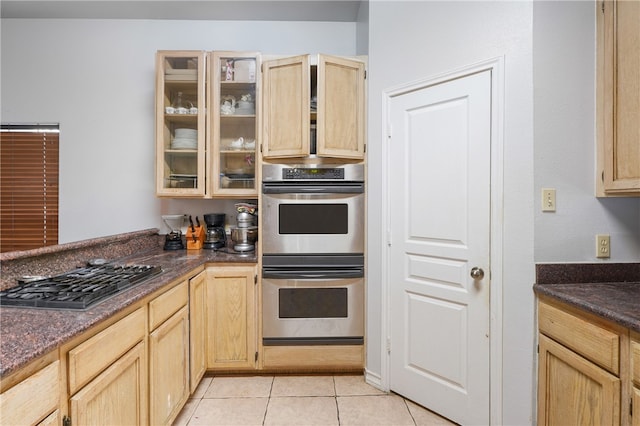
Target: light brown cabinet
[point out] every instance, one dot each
(234, 125)
(231, 318)
(588, 368)
(197, 329)
(107, 374)
(313, 109)
(33, 400)
(635, 379)
(207, 120)
(180, 123)
(168, 354)
(618, 98)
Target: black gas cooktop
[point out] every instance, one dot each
(77, 289)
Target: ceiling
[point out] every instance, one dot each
(266, 10)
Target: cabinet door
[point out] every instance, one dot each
(169, 368)
(618, 102)
(118, 396)
(180, 123)
(197, 328)
(286, 99)
(572, 390)
(234, 112)
(231, 318)
(341, 108)
(33, 398)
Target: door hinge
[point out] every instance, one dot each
(66, 421)
(256, 357)
(389, 238)
(260, 147)
(365, 74)
(602, 6)
(388, 345)
(255, 279)
(631, 407)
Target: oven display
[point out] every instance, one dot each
(312, 303)
(313, 219)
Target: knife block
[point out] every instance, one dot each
(195, 237)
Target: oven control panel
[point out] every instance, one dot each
(312, 174)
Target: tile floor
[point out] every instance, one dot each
(299, 400)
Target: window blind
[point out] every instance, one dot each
(28, 186)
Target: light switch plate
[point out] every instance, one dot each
(548, 199)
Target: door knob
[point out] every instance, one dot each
(477, 273)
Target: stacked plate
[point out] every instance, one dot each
(185, 139)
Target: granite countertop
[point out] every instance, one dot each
(611, 291)
(28, 333)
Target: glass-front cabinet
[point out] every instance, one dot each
(180, 123)
(234, 93)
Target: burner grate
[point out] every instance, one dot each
(77, 289)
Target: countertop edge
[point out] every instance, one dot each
(551, 290)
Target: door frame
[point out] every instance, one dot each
(496, 66)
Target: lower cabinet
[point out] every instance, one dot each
(168, 354)
(34, 399)
(635, 378)
(586, 369)
(197, 329)
(231, 317)
(117, 396)
(107, 375)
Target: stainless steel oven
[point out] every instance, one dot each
(313, 300)
(313, 209)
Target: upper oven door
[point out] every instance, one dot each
(313, 218)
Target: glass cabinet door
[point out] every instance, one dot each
(180, 123)
(234, 122)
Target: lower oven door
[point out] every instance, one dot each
(312, 308)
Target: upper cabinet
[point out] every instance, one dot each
(180, 123)
(618, 98)
(234, 122)
(206, 123)
(313, 109)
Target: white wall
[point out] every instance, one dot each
(96, 78)
(411, 41)
(564, 117)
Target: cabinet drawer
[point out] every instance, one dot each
(94, 355)
(162, 307)
(591, 341)
(32, 399)
(635, 362)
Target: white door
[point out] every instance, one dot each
(439, 195)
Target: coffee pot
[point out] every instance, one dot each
(215, 237)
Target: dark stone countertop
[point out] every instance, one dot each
(26, 334)
(611, 291)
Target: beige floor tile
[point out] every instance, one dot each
(373, 410)
(202, 387)
(230, 411)
(232, 387)
(424, 417)
(307, 411)
(354, 385)
(186, 413)
(303, 386)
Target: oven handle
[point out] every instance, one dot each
(315, 275)
(329, 188)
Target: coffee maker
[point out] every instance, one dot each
(173, 240)
(216, 237)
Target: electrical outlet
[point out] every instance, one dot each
(603, 246)
(548, 199)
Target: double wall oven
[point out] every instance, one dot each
(313, 254)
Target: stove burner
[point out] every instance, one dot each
(77, 289)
